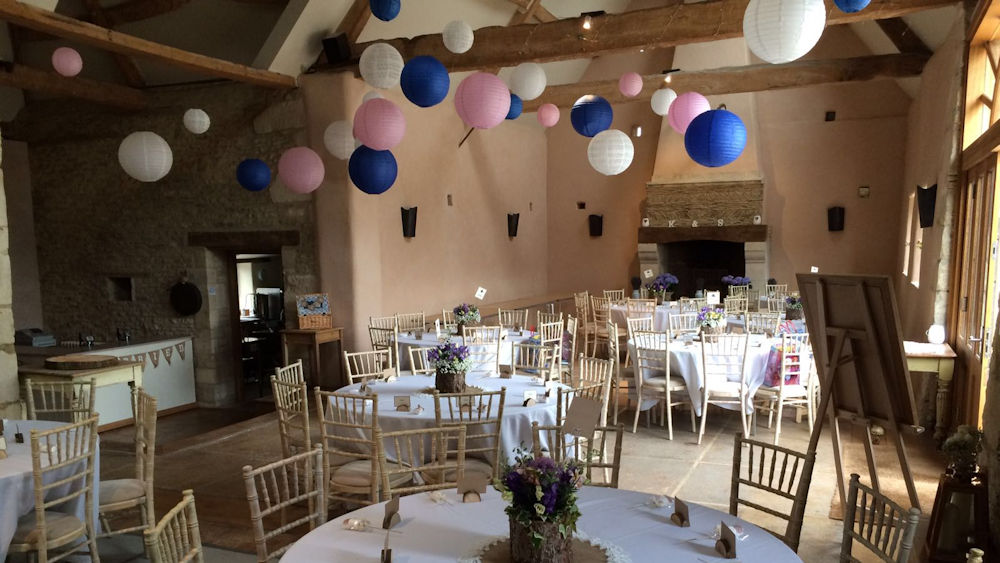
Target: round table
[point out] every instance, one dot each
(661, 317)
(17, 489)
(409, 340)
(517, 419)
(453, 531)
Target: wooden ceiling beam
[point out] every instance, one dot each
(24, 15)
(753, 78)
(355, 20)
(34, 80)
(125, 65)
(905, 40)
(666, 26)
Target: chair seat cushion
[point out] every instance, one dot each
(121, 490)
(789, 391)
(57, 525)
(471, 466)
(720, 387)
(660, 382)
(359, 474)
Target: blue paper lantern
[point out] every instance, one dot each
(372, 171)
(851, 6)
(253, 174)
(424, 81)
(715, 138)
(591, 115)
(516, 107)
(385, 10)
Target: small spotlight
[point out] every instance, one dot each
(642, 50)
(587, 21)
(637, 131)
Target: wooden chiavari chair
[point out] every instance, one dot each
(419, 363)
(534, 360)
(593, 381)
(602, 314)
(177, 537)
(275, 490)
(516, 319)
(683, 323)
(116, 495)
(878, 525)
(796, 358)
(60, 401)
(387, 326)
(652, 350)
(364, 366)
(734, 306)
(637, 308)
(424, 451)
(411, 322)
(386, 339)
(448, 322)
(753, 300)
(738, 291)
(291, 373)
(763, 323)
(551, 334)
(482, 414)
(291, 403)
(567, 368)
(724, 356)
(689, 305)
(585, 318)
(615, 295)
(484, 347)
(621, 373)
(776, 305)
(778, 472)
(547, 318)
(779, 290)
(594, 456)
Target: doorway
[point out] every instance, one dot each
(258, 306)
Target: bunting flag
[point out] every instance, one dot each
(168, 353)
(125, 358)
(141, 358)
(154, 356)
(181, 349)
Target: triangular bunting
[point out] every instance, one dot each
(154, 356)
(124, 358)
(141, 358)
(181, 348)
(168, 353)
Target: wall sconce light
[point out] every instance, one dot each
(512, 220)
(668, 72)
(587, 22)
(596, 225)
(926, 200)
(409, 217)
(637, 131)
(835, 218)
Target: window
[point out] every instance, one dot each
(909, 235)
(120, 288)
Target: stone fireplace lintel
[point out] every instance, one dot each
(739, 233)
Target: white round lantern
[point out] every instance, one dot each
(610, 152)
(339, 139)
(528, 81)
(780, 31)
(381, 65)
(371, 96)
(935, 334)
(458, 36)
(196, 121)
(662, 99)
(145, 156)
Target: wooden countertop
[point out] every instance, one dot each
(49, 351)
(927, 350)
(28, 371)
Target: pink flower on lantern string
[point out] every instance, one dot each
(685, 108)
(301, 170)
(548, 115)
(379, 124)
(482, 100)
(67, 61)
(630, 84)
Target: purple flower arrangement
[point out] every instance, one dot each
(449, 358)
(540, 489)
(711, 317)
(662, 283)
(466, 314)
(736, 280)
(793, 302)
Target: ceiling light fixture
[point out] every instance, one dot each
(587, 20)
(668, 72)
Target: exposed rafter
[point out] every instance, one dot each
(753, 78)
(125, 65)
(902, 36)
(538, 12)
(356, 19)
(34, 80)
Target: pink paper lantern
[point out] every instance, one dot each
(482, 100)
(67, 61)
(301, 170)
(379, 124)
(685, 108)
(630, 84)
(548, 115)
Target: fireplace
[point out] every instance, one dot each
(701, 264)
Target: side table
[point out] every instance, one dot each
(312, 337)
(938, 359)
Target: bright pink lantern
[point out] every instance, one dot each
(301, 170)
(482, 100)
(630, 84)
(379, 124)
(548, 115)
(685, 108)
(67, 61)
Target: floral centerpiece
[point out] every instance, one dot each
(712, 321)
(542, 509)
(736, 280)
(466, 315)
(662, 287)
(450, 363)
(793, 307)
(962, 449)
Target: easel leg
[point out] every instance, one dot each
(870, 456)
(837, 459)
(904, 464)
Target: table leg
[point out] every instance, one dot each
(946, 371)
(284, 350)
(317, 377)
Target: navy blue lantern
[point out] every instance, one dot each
(715, 138)
(851, 6)
(591, 115)
(253, 174)
(372, 171)
(516, 106)
(424, 81)
(385, 10)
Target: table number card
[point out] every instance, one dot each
(680, 515)
(391, 514)
(530, 398)
(472, 486)
(726, 545)
(402, 403)
(481, 293)
(713, 297)
(18, 437)
(583, 416)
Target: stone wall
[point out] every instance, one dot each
(10, 406)
(733, 203)
(93, 222)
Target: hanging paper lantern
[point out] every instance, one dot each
(196, 121)
(381, 65)
(253, 174)
(458, 36)
(145, 156)
(715, 138)
(379, 124)
(591, 115)
(301, 170)
(372, 171)
(548, 115)
(662, 99)
(482, 100)
(685, 108)
(425, 81)
(516, 107)
(385, 10)
(339, 139)
(630, 84)
(851, 6)
(528, 81)
(780, 31)
(66, 61)
(371, 95)
(610, 152)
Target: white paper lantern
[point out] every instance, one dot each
(196, 121)
(780, 31)
(458, 36)
(528, 81)
(935, 334)
(371, 96)
(339, 139)
(381, 65)
(145, 156)
(610, 152)
(662, 99)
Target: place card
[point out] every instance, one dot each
(465, 404)
(472, 486)
(365, 390)
(583, 416)
(391, 514)
(18, 437)
(389, 374)
(481, 293)
(713, 297)
(680, 515)
(420, 335)
(437, 328)
(530, 398)
(402, 402)
(550, 385)
(726, 545)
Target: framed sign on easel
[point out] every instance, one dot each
(858, 349)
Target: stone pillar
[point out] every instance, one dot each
(10, 404)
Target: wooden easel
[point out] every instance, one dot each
(866, 356)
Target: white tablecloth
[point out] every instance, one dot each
(517, 419)
(685, 361)
(17, 491)
(409, 340)
(661, 318)
(446, 533)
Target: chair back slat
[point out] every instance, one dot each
(60, 401)
(614, 295)
(724, 356)
(516, 319)
(734, 306)
(534, 360)
(364, 366)
(636, 324)
(177, 537)
(484, 347)
(582, 303)
(779, 291)
(551, 333)
(541, 317)
(411, 322)
(877, 524)
(420, 364)
(640, 308)
(592, 451)
(763, 323)
(291, 373)
(421, 451)
(776, 305)
(448, 322)
(683, 323)
(291, 402)
(601, 307)
(144, 412)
